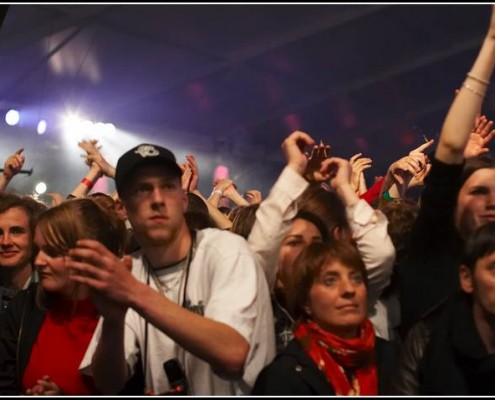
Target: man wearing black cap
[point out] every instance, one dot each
(193, 296)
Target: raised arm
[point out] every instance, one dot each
(368, 226)
(13, 164)
(467, 104)
(276, 212)
(191, 168)
(93, 155)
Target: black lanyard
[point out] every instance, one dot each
(186, 272)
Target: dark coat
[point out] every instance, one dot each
(293, 373)
(19, 328)
(444, 355)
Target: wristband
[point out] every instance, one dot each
(88, 183)
(386, 196)
(217, 191)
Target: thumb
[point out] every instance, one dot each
(127, 259)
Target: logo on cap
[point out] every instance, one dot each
(147, 151)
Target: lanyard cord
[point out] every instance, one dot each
(160, 288)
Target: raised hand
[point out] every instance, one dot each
(109, 277)
(186, 176)
(420, 150)
(419, 178)
(93, 155)
(480, 137)
(337, 171)
(405, 168)
(193, 165)
(13, 164)
(294, 148)
(358, 165)
(253, 196)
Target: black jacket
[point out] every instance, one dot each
(293, 373)
(434, 248)
(444, 355)
(19, 328)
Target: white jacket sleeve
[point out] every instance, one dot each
(273, 219)
(369, 231)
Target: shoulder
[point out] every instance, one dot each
(223, 241)
(292, 373)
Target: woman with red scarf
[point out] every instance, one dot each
(334, 350)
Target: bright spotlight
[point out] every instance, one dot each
(99, 129)
(40, 188)
(110, 129)
(41, 127)
(88, 128)
(72, 125)
(12, 117)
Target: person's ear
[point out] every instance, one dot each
(120, 209)
(185, 202)
(466, 279)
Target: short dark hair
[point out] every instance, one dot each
(479, 244)
(473, 164)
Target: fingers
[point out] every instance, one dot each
(301, 137)
(19, 151)
(301, 140)
(362, 162)
(486, 129)
(332, 165)
(488, 137)
(355, 157)
(423, 147)
(192, 163)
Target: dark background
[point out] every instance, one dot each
(230, 82)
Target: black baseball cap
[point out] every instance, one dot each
(141, 155)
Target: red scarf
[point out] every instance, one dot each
(331, 353)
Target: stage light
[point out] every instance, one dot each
(110, 129)
(41, 127)
(12, 117)
(40, 188)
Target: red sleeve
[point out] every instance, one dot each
(373, 193)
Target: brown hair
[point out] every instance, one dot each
(243, 219)
(81, 218)
(30, 206)
(328, 207)
(308, 267)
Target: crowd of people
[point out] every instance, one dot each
(323, 287)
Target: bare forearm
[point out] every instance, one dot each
(347, 195)
(217, 216)
(214, 342)
(238, 199)
(82, 189)
(110, 370)
(466, 106)
(3, 183)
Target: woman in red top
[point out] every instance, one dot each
(55, 318)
